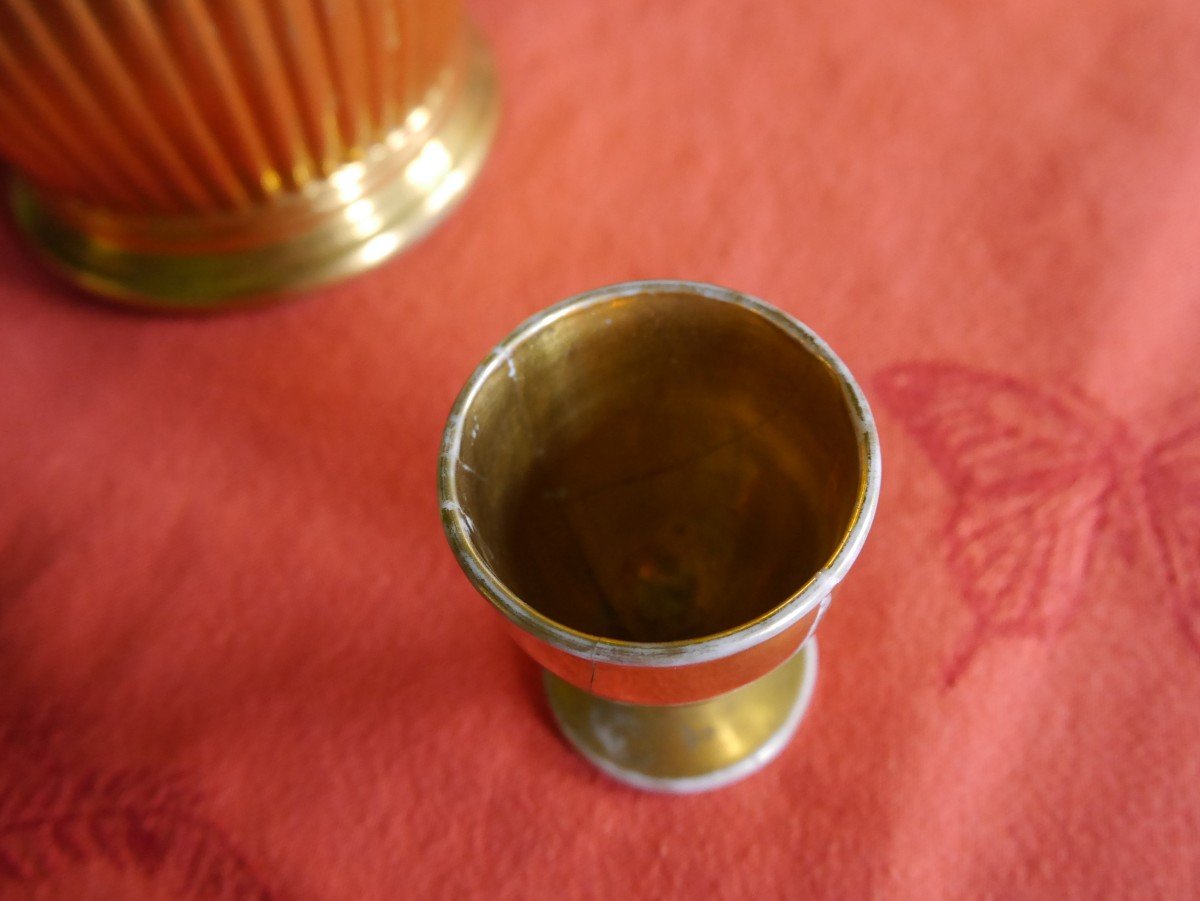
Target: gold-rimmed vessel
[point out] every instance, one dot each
(658, 484)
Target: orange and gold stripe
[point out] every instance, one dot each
(191, 106)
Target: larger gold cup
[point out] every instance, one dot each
(195, 153)
(659, 484)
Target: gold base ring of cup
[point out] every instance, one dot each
(689, 747)
(352, 220)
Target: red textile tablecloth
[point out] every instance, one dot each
(237, 658)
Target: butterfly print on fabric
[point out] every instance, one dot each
(1037, 474)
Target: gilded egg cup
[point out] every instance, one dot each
(658, 484)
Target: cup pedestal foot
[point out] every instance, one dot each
(689, 747)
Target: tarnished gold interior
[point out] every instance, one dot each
(660, 467)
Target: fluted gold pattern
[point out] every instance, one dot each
(174, 106)
(152, 129)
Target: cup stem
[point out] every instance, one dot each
(685, 748)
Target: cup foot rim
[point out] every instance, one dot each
(766, 752)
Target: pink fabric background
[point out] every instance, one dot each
(237, 658)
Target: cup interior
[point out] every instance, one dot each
(660, 467)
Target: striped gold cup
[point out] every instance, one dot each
(193, 153)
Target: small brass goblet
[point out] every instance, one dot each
(658, 484)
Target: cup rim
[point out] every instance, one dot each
(596, 648)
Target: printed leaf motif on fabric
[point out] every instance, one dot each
(52, 819)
